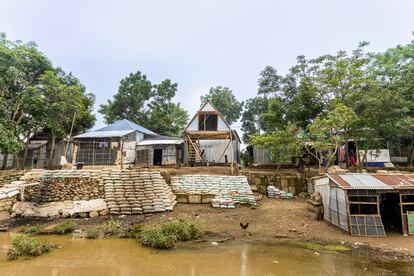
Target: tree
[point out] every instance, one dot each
(282, 144)
(253, 108)
(61, 100)
(166, 117)
(148, 105)
(21, 64)
(326, 133)
(224, 100)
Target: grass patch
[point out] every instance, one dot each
(321, 247)
(26, 246)
(32, 230)
(134, 231)
(165, 235)
(156, 238)
(111, 228)
(91, 233)
(64, 228)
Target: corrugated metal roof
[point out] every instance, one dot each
(359, 181)
(126, 125)
(147, 142)
(104, 134)
(400, 181)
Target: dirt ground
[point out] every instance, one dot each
(277, 219)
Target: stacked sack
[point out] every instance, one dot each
(131, 192)
(273, 192)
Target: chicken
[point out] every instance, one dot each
(244, 226)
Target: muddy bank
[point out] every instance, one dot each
(272, 220)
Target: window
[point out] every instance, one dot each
(207, 122)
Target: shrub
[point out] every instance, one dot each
(156, 238)
(111, 228)
(134, 231)
(64, 228)
(23, 245)
(168, 233)
(32, 230)
(92, 233)
(182, 229)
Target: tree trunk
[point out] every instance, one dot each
(411, 155)
(52, 150)
(358, 157)
(16, 161)
(4, 163)
(346, 152)
(26, 151)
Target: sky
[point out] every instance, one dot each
(198, 44)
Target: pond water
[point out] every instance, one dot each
(127, 257)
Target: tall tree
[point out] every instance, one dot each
(225, 101)
(21, 65)
(253, 108)
(148, 105)
(61, 99)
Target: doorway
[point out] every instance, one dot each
(391, 212)
(157, 157)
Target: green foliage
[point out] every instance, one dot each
(134, 231)
(253, 108)
(36, 97)
(148, 105)
(23, 245)
(32, 230)
(91, 233)
(226, 103)
(156, 238)
(64, 228)
(165, 235)
(111, 228)
(283, 144)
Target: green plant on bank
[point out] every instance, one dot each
(32, 230)
(24, 245)
(166, 234)
(156, 238)
(64, 228)
(92, 233)
(134, 231)
(111, 228)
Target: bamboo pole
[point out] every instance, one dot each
(232, 152)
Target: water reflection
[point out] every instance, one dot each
(126, 257)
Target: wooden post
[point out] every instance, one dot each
(93, 153)
(232, 152)
(122, 153)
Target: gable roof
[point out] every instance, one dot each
(201, 109)
(116, 129)
(126, 125)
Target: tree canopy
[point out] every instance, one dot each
(147, 104)
(364, 96)
(37, 97)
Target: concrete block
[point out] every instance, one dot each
(4, 215)
(182, 198)
(194, 199)
(207, 198)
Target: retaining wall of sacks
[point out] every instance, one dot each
(292, 183)
(9, 176)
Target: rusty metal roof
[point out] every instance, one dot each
(360, 181)
(397, 181)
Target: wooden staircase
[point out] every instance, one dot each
(194, 152)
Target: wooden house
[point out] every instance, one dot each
(209, 139)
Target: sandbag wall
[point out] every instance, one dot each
(135, 192)
(8, 196)
(292, 183)
(9, 176)
(56, 186)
